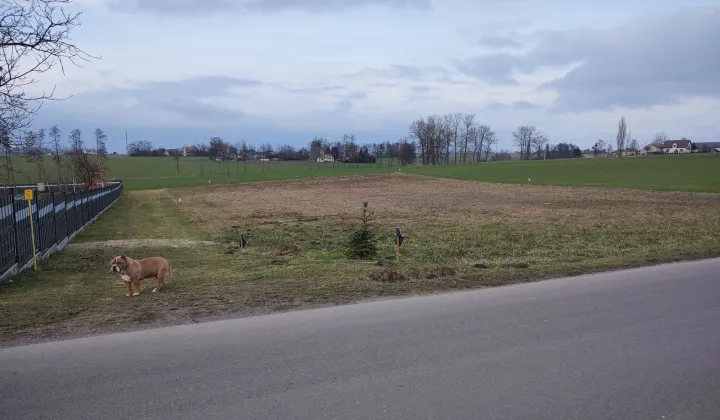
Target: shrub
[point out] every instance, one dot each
(363, 243)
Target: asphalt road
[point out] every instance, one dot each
(637, 344)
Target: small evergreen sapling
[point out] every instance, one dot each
(363, 243)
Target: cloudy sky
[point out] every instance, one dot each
(282, 71)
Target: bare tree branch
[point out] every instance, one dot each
(34, 38)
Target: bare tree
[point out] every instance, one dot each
(34, 38)
(316, 147)
(659, 138)
(244, 154)
(484, 135)
(87, 168)
(100, 142)
(55, 136)
(76, 142)
(467, 123)
(34, 148)
(621, 137)
(524, 137)
(539, 142)
(456, 121)
(488, 145)
(634, 146)
(417, 131)
(599, 147)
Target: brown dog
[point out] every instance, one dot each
(132, 271)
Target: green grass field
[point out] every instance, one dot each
(699, 173)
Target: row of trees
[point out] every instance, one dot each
(348, 150)
(69, 161)
(451, 138)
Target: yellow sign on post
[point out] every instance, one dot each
(29, 197)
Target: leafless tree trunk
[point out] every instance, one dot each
(76, 142)
(523, 138)
(621, 137)
(484, 135)
(468, 123)
(55, 135)
(488, 146)
(538, 142)
(457, 120)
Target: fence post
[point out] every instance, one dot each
(65, 212)
(54, 219)
(14, 223)
(36, 220)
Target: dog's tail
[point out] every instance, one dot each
(169, 271)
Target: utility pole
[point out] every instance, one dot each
(126, 141)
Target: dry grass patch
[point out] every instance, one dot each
(513, 231)
(398, 196)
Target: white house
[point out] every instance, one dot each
(325, 158)
(189, 151)
(677, 146)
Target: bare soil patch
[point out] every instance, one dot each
(398, 196)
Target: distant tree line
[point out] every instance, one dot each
(451, 138)
(70, 161)
(346, 150)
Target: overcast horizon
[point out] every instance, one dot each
(177, 72)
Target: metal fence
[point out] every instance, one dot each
(57, 217)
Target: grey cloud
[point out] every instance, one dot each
(345, 105)
(214, 6)
(493, 68)
(182, 97)
(402, 71)
(201, 86)
(517, 105)
(348, 102)
(497, 41)
(330, 88)
(354, 96)
(420, 89)
(647, 62)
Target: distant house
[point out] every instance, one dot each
(708, 146)
(651, 149)
(677, 146)
(322, 158)
(189, 151)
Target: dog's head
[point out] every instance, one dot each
(118, 264)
